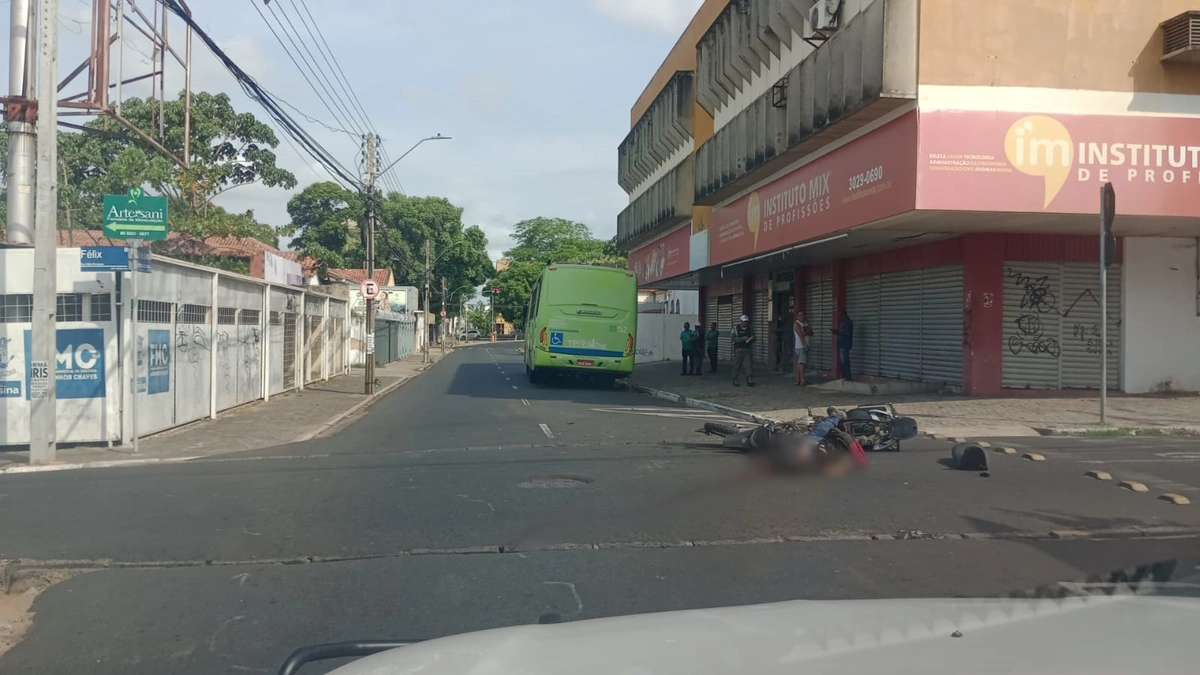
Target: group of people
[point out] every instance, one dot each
(695, 342)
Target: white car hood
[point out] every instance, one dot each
(1084, 635)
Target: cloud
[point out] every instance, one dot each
(666, 16)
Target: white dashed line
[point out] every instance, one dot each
(546, 430)
(524, 401)
(514, 386)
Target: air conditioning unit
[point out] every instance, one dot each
(824, 15)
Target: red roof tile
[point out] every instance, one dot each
(382, 277)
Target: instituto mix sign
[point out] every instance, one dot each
(135, 215)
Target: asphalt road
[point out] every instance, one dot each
(470, 499)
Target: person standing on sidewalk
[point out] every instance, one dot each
(801, 332)
(743, 361)
(710, 342)
(686, 340)
(698, 349)
(845, 341)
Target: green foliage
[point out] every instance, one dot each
(457, 253)
(540, 242)
(227, 149)
(325, 219)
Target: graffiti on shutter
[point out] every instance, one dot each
(862, 303)
(1052, 325)
(818, 298)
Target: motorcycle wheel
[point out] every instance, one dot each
(721, 428)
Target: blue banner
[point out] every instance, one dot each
(79, 363)
(104, 259)
(159, 362)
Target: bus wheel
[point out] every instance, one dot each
(534, 376)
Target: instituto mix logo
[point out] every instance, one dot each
(754, 216)
(1125, 152)
(1041, 146)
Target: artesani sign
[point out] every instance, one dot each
(990, 161)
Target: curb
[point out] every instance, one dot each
(1125, 432)
(39, 468)
(698, 403)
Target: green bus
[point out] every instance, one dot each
(581, 319)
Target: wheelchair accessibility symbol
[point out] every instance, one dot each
(556, 339)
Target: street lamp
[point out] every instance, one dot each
(438, 137)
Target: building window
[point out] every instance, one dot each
(16, 308)
(154, 311)
(248, 317)
(100, 307)
(192, 314)
(227, 316)
(69, 307)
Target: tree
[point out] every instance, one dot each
(325, 218)
(457, 253)
(227, 150)
(540, 242)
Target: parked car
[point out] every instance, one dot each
(471, 334)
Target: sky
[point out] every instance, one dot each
(534, 93)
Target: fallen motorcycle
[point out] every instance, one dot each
(799, 446)
(869, 427)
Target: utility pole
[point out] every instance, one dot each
(427, 273)
(22, 78)
(442, 321)
(44, 343)
(369, 217)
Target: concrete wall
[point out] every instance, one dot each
(198, 347)
(658, 336)
(1102, 45)
(1161, 303)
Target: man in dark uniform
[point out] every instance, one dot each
(742, 338)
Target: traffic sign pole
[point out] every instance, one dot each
(134, 251)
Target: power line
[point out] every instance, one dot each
(313, 67)
(332, 61)
(256, 93)
(323, 96)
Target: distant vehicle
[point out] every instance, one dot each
(581, 319)
(471, 334)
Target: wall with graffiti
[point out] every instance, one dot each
(200, 346)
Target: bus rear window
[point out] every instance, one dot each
(602, 290)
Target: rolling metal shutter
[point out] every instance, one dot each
(899, 325)
(942, 324)
(763, 349)
(920, 326)
(1052, 326)
(862, 302)
(710, 315)
(818, 304)
(724, 326)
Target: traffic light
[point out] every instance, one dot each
(495, 290)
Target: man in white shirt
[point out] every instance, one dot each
(802, 332)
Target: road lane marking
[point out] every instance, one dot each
(546, 430)
(514, 386)
(525, 401)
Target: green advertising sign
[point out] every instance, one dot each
(135, 215)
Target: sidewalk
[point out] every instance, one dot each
(948, 415)
(287, 418)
